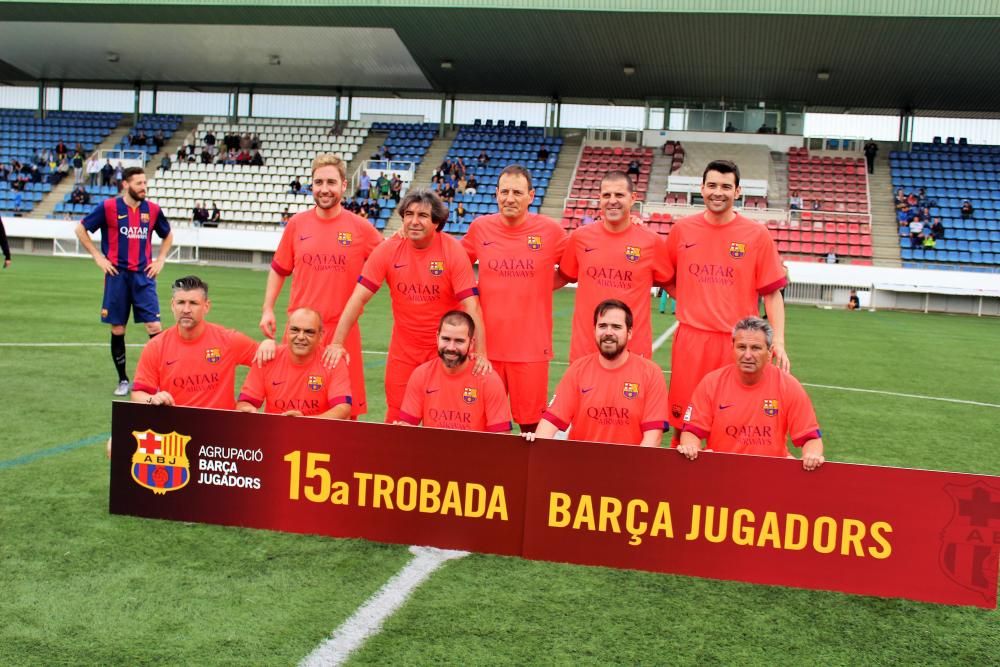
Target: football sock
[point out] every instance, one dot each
(118, 355)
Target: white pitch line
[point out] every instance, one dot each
(665, 336)
(900, 395)
(368, 619)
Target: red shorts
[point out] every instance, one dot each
(527, 384)
(355, 367)
(694, 354)
(397, 374)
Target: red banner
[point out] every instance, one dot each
(894, 532)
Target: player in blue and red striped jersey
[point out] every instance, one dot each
(126, 259)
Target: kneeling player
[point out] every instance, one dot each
(611, 395)
(444, 392)
(751, 406)
(296, 383)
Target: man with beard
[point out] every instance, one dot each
(613, 257)
(126, 259)
(612, 395)
(751, 406)
(324, 248)
(296, 383)
(444, 393)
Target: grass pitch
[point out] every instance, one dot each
(83, 587)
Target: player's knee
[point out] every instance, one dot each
(118, 329)
(151, 328)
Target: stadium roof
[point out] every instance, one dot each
(880, 55)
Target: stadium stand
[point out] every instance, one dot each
(31, 141)
(839, 184)
(407, 141)
(951, 173)
(815, 233)
(255, 194)
(149, 124)
(504, 143)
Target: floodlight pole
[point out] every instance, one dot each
(42, 93)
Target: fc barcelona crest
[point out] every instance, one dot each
(771, 407)
(213, 355)
(470, 395)
(144, 217)
(737, 250)
(344, 238)
(160, 463)
(969, 551)
(535, 242)
(437, 268)
(633, 253)
(315, 382)
(630, 390)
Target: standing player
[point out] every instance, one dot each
(750, 406)
(296, 383)
(613, 258)
(125, 258)
(428, 274)
(193, 363)
(444, 393)
(719, 262)
(323, 249)
(517, 253)
(611, 395)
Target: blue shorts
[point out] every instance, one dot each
(130, 290)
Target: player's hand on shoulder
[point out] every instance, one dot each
(780, 357)
(268, 324)
(265, 352)
(480, 364)
(333, 354)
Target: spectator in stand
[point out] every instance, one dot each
(816, 205)
(255, 142)
(472, 185)
(199, 216)
(296, 185)
(61, 150)
(853, 302)
(216, 215)
(967, 209)
(911, 200)
(256, 160)
(243, 157)
(285, 217)
(448, 192)
(206, 156)
(209, 138)
(17, 187)
(543, 153)
(63, 167)
(141, 140)
(900, 199)
(36, 174)
(929, 243)
(460, 212)
(119, 174)
(483, 159)
(831, 257)
(377, 155)
(107, 173)
(78, 162)
(795, 201)
(374, 209)
(93, 170)
(937, 229)
(363, 209)
(395, 188)
(383, 187)
(79, 195)
(387, 154)
(730, 127)
(633, 169)
(245, 142)
(922, 197)
(364, 184)
(159, 140)
(916, 232)
(871, 150)
(460, 168)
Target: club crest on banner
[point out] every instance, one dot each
(771, 407)
(344, 238)
(213, 355)
(535, 242)
(630, 390)
(315, 382)
(160, 463)
(470, 395)
(970, 542)
(437, 268)
(633, 253)
(737, 250)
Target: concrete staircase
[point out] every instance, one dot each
(562, 176)
(658, 176)
(46, 207)
(178, 139)
(777, 181)
(885, 230)
(435, 155)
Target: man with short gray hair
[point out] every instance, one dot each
(752, 406)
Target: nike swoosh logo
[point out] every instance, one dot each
(304, 238)
(723, 407)
(431, 391)
(398, 266)
(584, 391)
(488, 242)
(275, 384)
(690, 245)
(589, 249)
(171, 363)
(122, 217)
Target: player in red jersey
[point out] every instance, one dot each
(323, 249)
(719, 263)
(193, 363)
(126, 259)
(613, 258)
(296, 383)
(611, 395)
(752, 406)
(444, 393)
(428, 274)
(517, 253)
